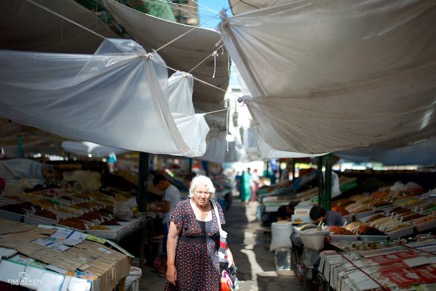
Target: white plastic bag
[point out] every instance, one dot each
(135, 274)
(280, 235)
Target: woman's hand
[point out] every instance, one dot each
(173, 236)
(172, 274)
(230, 257)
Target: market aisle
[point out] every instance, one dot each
(250, 246)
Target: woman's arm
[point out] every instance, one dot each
(173, 237)
(229, 257)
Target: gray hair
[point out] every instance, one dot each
(203, 181)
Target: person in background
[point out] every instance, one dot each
(170, 198)
(285, 173)
(330, 218)
(282, 214)
(111, 160)
(188, 179)
(237, 180)
(290, 208)
(273, 177)
(255, 183)
(193, 241)
(285, 212)
(244, 188)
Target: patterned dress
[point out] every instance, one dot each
(196, 259)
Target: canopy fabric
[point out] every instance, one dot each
(242, 6)
(221, 151)
(267, 152)
(86, 148)
(192, 52)
(331, 75)
(216, 146)
(36, 27)
(28, 27)
(420, 153)
(118, 97)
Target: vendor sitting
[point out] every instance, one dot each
(330, 218)
(282, 214)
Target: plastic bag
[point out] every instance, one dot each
(229, 281)
(134, 275)
(82, 180)
(281, 235)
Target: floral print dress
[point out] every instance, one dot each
(196, 258)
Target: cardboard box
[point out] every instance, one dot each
(104, 266)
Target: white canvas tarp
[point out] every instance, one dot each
(43, 27)
(267, 152)
(420, 153)
(67, 27)
(241, 6)
(331, 75)
(118, 97)
(182, 47)
(90, 149)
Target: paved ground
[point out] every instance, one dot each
(250, 246)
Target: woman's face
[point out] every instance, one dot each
(201, 196)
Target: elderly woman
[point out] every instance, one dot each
(192, 246)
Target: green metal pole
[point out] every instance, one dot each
(328, 182)
(20, 146)
(143, 172)
(320, 181)
(190, 166)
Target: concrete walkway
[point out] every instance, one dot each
(250, 246)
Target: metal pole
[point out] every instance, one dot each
(143, 172)
(328, 182)
(293, 169)
(20, 146)
(190, 166)
(320, 181)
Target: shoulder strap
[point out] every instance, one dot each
(216, 212)
(215, 208)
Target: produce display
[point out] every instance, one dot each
(358, 227)
(339, 230)
(91, 211)
(373, 249)
(399, 265)
(396, 211)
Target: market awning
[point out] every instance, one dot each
(118, 97)
(327, 76)
(41, 27)
(238, 6)
(185, 48)
(67, 27)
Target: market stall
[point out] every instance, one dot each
(382, 266)
(406, 215)
(59, 258)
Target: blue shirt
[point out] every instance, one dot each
(333, 218)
